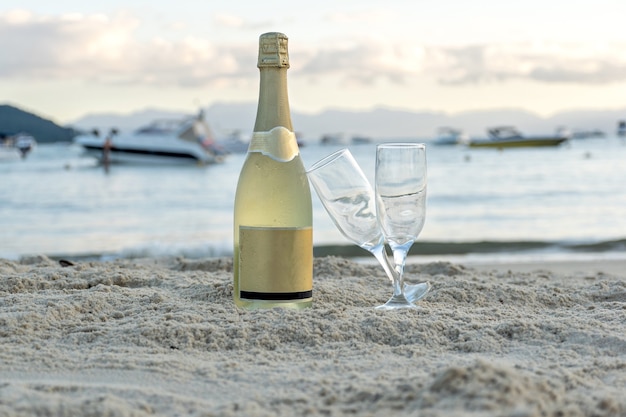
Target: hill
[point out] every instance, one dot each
(14, 120)
(378, 123)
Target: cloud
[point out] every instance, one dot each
(230, 21)
(109, 49)
(364, 62)
(541, 62)
(104, 49)
(369, 61)
(358, 65)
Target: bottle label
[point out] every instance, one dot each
(275, 263)
(279, 144)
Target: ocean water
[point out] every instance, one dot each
(565, 202)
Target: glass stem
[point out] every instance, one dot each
(399, 258)
(381, 255)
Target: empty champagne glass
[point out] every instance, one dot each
(400, 187)
(348, 197)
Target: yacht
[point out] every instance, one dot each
(450, 136)
(164, 141)
(509, 137)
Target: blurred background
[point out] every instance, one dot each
(361, 73)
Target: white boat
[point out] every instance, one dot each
(17, 146)
(450, 136)
(509, 137)
(164, 141)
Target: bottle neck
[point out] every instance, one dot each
(273, 107)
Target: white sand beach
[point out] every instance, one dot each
(163, 338)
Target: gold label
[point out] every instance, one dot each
(275, 263)
(279, 144)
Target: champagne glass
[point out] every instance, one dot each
(349, 199)
(401, 205)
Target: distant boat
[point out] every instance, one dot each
(621, 128)
(510, 137)
(164, 141)
(299, 140)
(450, 136)
(587, 134)
(333, 139)
(18, 146)
(361, 140)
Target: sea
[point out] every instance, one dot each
(483, 205)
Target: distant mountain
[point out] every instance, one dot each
(378, 123)
(385, 123)
(605, 120)
(123, 122)
(14, 120)
(224, 118)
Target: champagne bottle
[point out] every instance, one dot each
(273, 234)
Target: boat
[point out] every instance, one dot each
(621, 128)
(450, 136)
(361, 140)
(164, 141)
(509, 137)
(588, 134)
(333, 139)
(17, 146)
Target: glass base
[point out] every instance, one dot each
(416, 292)
(395, 302)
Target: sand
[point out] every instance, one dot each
(163, 338)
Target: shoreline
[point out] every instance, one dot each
(562, 263)
(460, 252)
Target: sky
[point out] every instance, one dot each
(64, 59)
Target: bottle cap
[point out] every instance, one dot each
(273, 50)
